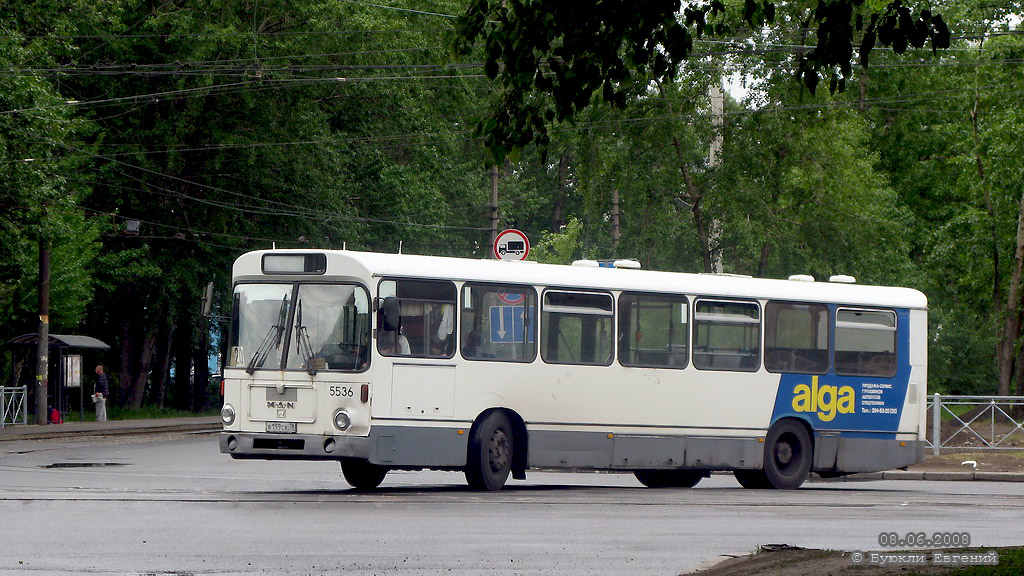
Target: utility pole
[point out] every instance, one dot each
(494, 204)
(714, 159)
(43, 348)
(863, 75)
(616, 228)
(717, 121)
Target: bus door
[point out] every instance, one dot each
(416, 328)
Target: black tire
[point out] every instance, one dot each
(362, 475)
(670, 478)
(752, 479)
(491, 450)
(787, 455)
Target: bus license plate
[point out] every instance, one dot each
(281, 427)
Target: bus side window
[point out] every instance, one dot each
(653, 330)
(424, 324)
(726, 335)
(796, 338)
(865, 343)
(577, 328)
(497, 322)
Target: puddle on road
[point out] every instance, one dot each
(83, 464)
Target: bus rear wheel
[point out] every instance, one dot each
(670, 478)
(361, 474)
(787, 455)
(489, 460)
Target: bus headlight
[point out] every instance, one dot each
(342, 420)
(227, 415)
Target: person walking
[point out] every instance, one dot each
(100, 397)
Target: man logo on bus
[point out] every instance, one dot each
(825, 400)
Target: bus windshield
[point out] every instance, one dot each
(331, 328)
(318, 327)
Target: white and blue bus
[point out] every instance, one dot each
(398, 362)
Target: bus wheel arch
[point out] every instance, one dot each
(491, 450)
(519, 455)
(685, 478)
(788, 453)
(752, 479)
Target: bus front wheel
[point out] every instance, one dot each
(489, 460)
(752, 479)
(362, 475)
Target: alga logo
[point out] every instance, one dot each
(826, 400)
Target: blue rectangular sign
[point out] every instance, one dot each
(508, 325)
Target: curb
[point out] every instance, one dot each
(111, 428)
(930, 475)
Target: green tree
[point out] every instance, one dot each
(224, 126)
(801, 192)
(40, 202)
(946, 131)
(551, 59)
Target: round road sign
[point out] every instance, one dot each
(514, 299)
(511, 244)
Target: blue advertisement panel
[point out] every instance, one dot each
(849, 403)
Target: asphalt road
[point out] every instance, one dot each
(172, 504)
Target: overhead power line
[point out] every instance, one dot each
(400, 9)
(273, 207)
(255, 71)
(250, 85)
(239, 34)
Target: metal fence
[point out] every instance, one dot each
(13, 405)
(960, 423)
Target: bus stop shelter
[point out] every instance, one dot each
(66, 367)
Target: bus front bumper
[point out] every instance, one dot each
(293, 446)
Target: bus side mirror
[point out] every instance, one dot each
(392, 314)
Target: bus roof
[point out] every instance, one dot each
(369, 265)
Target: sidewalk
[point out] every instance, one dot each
(110, 427)
(930, 469)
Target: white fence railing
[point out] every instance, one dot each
(13, 405)
(961, 423)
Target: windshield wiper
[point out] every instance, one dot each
(271, 340)
(302, 340)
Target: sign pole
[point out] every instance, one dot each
(494, 203)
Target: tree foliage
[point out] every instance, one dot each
(197, 130)
(552, 59)
(39, 200)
